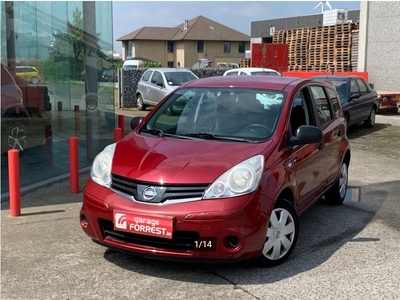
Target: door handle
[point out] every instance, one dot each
(321, 146)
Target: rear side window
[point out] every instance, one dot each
(335, 102)
(146, 75)
(232, 73)
(322, 104)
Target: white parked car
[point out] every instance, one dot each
(251, 71)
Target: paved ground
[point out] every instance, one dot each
(346, 252)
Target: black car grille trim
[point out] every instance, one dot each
(173, 193)
(181, 240)
(124, 185)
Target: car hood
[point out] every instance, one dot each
(177, 161)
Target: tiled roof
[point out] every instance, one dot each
(199, 28)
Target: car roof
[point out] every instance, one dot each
(254, 69)
(170, 69)
(256, 81)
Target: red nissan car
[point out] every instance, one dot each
(226, 176)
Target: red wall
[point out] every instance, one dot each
(310, 74)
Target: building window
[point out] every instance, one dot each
(227, 47)
(242, 47)
(170, 47)
(170, 64)
(128, 50)
(200, 46)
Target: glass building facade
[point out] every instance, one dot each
(55, 53)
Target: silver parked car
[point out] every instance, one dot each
(156, 83)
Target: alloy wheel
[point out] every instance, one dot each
(343, 180)
(17, 138)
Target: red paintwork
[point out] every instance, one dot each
(167, 160)
(272, 56)
(309, 74)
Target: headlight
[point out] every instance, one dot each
(239, 180)
(101, 167)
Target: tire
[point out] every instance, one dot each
(370, 122)
(139, 103)
(336, 194)
(278, 244)
(34, 80)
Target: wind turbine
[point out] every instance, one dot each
(322, 5)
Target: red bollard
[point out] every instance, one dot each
(74, 164)
(60, 120)
(77, 121)
(14, 183)
(117, 134)
(121, 124)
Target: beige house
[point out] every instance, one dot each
(183, 45)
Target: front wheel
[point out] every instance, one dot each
(370, 122)
(139, 103)
(336, 194)
(281, 236)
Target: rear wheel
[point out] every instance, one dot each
(336, 194)
(34, 80)
(139, 103)
(281, 236)
(370, 122)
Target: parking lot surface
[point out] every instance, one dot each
(343, 252)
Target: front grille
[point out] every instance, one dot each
(164, 192)
(181, 240)
(124, 185)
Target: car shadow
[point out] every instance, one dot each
(356, 131)
(324, 229)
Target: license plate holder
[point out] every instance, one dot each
(150, 225)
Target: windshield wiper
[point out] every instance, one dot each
(160, 133)
(210, 136)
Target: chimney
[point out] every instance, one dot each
(185, 25)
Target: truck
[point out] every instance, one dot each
(269, 56)
(389, 100)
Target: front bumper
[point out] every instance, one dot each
(194, 225)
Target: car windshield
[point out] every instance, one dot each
(223, 114)
(178, 78)
(264, 73)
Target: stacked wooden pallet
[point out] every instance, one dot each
(298, 41)
(354, 49)
(326, 48)
(279, 37)
(244, 63)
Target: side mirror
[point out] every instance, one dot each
(306, 134)
(160, 84)
(355, 96)
(135, 122)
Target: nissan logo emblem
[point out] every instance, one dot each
(149, 193)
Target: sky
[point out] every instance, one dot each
(129, 16)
